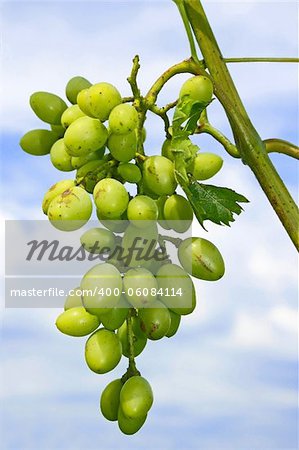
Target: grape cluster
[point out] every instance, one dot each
(121, 304)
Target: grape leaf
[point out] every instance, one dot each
(214, 203)
(187, 110)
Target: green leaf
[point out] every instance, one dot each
(189, 111)
(214, 203)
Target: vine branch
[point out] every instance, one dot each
(251, 148)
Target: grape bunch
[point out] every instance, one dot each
(123, 302)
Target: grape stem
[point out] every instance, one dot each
(141, 157)
(132, 79)
(263, 59)
(281, 146)
(175, 241)
(132, 369)
(182, 11)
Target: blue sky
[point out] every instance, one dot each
(228, 379)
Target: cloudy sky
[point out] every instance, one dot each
(228, 379)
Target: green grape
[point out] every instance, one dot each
(77, 322)
(130, 173)
(103, 97)
(102, 288)
(60, 159)
(123, 147)
(110, 197)
(139, 245)
(102, 351)
(58, 129)
(140, 287)
(109, 402)
(55, 190)
(166, 149)
(117, 225)
(115, 317)
(74, 86)
(155, 320)
(123, 119)
(176, 289)
(74, 300)
(85, 135)
(201, 258)
(71, 114)
(143, 134)
(158, 174)
(70, 210)
(198, 88)
(83, 101)
(79, 161)
(141, 210)
(161, 219)
(91, 173)
(38, 142)
(98, 240)
(205, 166)
(127, 425)
(174, 324)
(178, 213)
(48, 107)
(139, 340)
(136, 397)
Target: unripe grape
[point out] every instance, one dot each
(158, 174)
(79, 161)
(103, 97)
(110, 197)
(102, 351)
(70, 210)
(201, 259)
(166, 150)
(161, 218)
(91, 173)
(139, 340)
(127, 425)
(77, 322)
(139, 245)
(178, 213)
(155, 320)
(123, 147)
(48, 107)
(85, 135)
(98, 240)
(141, 210)
(71, 114)
(130, 173)
(172, 278)
(109, 402)
(55, 190)
(38, 142)
(198, 88)
(58, 129)
(174, 324)
(136, 397)
(117, 225)
(83, 101)
(74, 86)
(115, 317)
(60, 159)
(205, 166)
(74, 300)
(139, 287)
(123, 119)
(102, 288)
